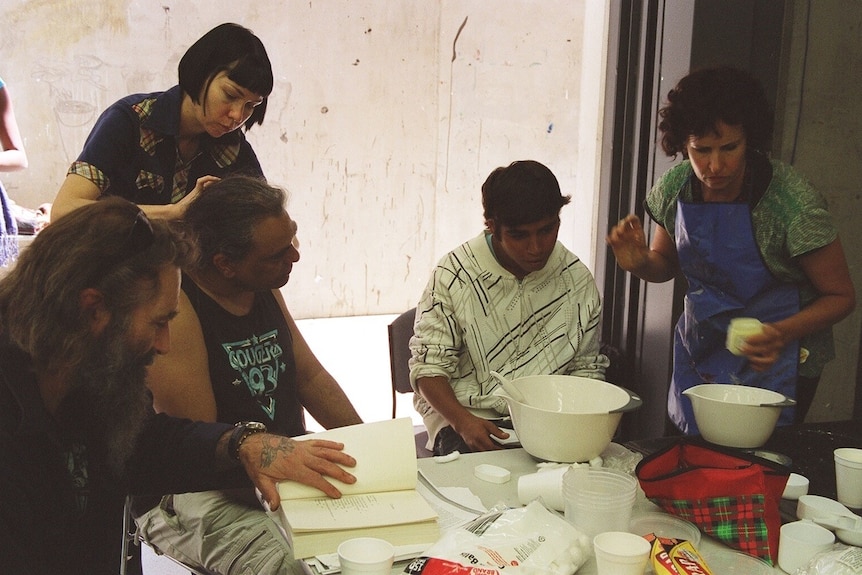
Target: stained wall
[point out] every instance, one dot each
(385, 119)
(820, 130)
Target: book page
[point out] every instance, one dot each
(385, 454)
(358, 511)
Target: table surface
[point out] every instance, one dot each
(459, 473)
(809, 448)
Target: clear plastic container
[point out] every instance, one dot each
(598, 500)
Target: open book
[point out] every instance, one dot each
(382, 503)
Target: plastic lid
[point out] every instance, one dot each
(665, 525)
(729, 562)
(491, 473)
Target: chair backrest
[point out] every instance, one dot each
(400, 332)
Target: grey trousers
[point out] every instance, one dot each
(219, 532)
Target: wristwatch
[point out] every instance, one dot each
(240, 433)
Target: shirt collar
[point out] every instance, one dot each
(162, 113)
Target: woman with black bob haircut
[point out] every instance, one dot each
(161, 149)
(234, 50)
(752, 238)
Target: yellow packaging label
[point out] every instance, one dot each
(675, 557)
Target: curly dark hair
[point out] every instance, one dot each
(711, 95)
(222, 220)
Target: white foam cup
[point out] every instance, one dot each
(366, 556)
(848, 476)
(799, 541)
(621, 553)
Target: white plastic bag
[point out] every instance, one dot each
(840, 560)
(529, 540)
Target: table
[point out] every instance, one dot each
(459, 473)
(809, 448)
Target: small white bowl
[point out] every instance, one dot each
(736, 415)
(797, 486)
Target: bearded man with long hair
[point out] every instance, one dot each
(83, 313)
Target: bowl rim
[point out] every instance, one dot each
(769, 395)
(632, 400)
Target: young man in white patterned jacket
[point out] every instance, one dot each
(512, 300)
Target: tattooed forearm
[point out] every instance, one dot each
(273, 446)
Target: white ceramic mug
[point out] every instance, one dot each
(799, 541)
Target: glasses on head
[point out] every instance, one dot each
(139, 238)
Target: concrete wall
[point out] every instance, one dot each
(387, 116)
(820, 132)
(385, 119)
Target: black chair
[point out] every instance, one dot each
(400, 332)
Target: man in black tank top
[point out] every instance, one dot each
(237, 356)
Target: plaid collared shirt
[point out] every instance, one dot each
(132, 151)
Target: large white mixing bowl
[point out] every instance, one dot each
(566, 418)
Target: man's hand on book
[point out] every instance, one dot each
(269, 458)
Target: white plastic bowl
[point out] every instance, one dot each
(736, 415)
(566, 418)
(796, 486)
(832, 515)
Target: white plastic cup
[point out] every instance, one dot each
(848, 476)
(599, 500)
(738, 330)
(546, 484)
(621, 553)
(799, 541)
(366, 556)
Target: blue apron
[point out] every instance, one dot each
(727, 278)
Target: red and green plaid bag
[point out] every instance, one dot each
(730, 495)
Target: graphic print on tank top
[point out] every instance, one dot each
(258, 363)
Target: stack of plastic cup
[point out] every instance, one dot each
(599, 500)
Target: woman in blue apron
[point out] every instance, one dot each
(751, 237)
